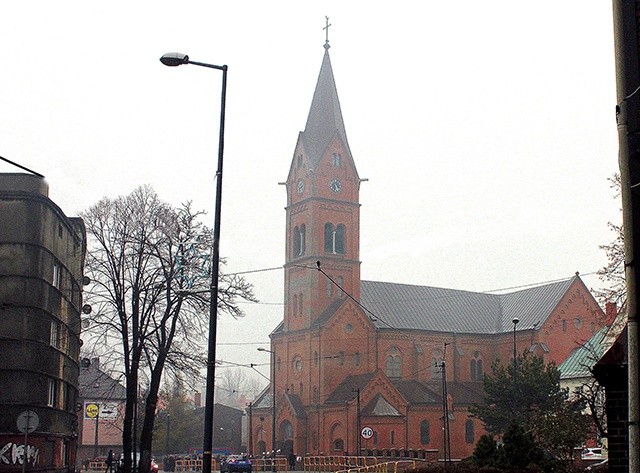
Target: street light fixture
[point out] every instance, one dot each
(273, 407)
(515, 358)
(177, 59)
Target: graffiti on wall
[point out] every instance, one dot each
(14, 454)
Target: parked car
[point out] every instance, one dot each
(600, 466)
(589, 453)
(235, 463)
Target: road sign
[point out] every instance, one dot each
(367, 432)
(27, 422)
(91, 410)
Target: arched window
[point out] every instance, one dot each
(335, 159)
(286, 430)
(334, 238)
(356, 359)
(340, 282)
(315, 396)
(328, 237)
(339, 245)
(436, 365)
(300, 305)
(338, 445)
(425, 432)
(295, 305)
(299, 236)
(296, 242)
(476, 369)
(469, 431)
(329, 287)
(394, 363)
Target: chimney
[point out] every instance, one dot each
(610, 313)
(197, 399)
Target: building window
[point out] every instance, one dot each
(436, 365)
(469, 431)
(394, 363)
(300, 305)
(341, 358)
(335, 159)
(476, 368)
(278, 364)
(340, 282)
(56, 275)
(334, 238)
(356, 359)
(51, 395)
(329, 287)
(564, 325)
(54, 336)
(299, 240)
(295, 305)
(338, 445)
(315, 395)
(375, 438)
(299, 160)
(315, 358)
(297, 363)
(425, 432)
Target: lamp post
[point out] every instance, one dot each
(273, 407)
(177, 59)
(515, 360)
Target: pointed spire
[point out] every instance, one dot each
(325, 116)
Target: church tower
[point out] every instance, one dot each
(323, 212)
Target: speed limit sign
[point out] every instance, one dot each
(367, 433)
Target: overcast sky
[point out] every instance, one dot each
(486, 130)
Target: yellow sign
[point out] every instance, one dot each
(91, 410)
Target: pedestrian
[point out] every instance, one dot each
(109, 462)
(292, 461)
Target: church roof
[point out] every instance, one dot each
(409, 307)
(379, 406)
(325, 116)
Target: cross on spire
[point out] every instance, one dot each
(326, 28)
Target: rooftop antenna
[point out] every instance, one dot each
(21, 167)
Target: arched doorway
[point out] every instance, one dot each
(286, 438)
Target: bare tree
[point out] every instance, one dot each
(149, 267)
(614, 272)
(234, 387)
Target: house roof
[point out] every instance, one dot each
(409, 307)
(582, 360)
(96, 384)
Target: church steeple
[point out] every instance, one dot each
(325, 115)
(323, 211)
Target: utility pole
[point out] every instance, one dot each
(626, 30)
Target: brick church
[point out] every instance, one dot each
(404, 361)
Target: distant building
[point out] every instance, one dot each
(42, 255)
(102, 417)
(377, 367)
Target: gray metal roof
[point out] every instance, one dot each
(409, 307)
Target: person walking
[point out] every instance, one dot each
(109, 462)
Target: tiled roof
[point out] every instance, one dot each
(409, 307)
(345, 390)
(379, 406)
(97, 385)
(582, 359)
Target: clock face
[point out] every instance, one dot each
(335, 185)
(300, 186)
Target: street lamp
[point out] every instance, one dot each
(515, 357)
(177, 59)
(273, 407)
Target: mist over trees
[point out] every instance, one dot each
(149, 265)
